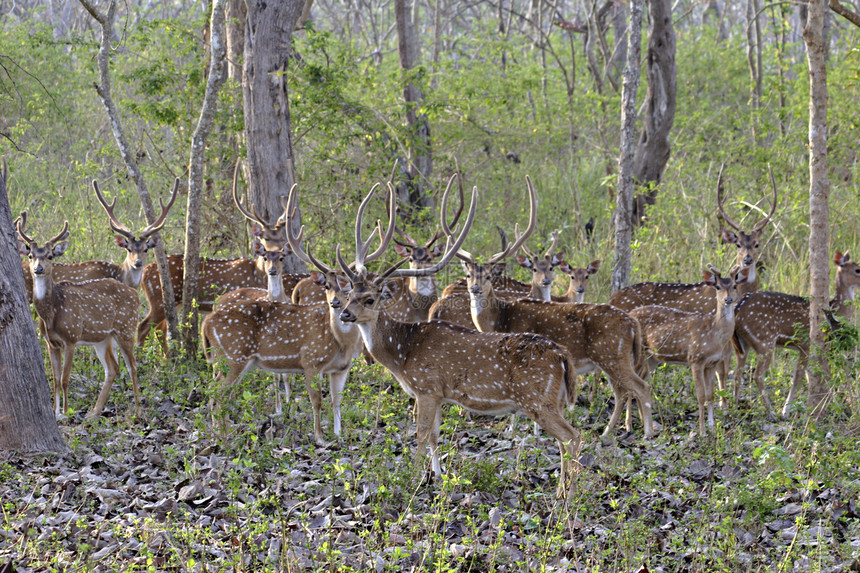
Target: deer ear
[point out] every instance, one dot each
(121, 241)
(389, 289)
(343, 283)
(23, 249)
(438, 250)
(499, 269)
(709, 278)
(60, 248)
(402, 251)
(317, 277)
(729, 237)
(525, 262)
(565, 267)
(593, 267)
(257, 230)
(558, 258)
(152, 242)
(840, 259)
(743, 275)
(259, 249)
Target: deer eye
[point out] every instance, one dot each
(756, 245)
(369, 302)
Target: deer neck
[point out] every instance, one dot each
(346, 334)
(540, 293)
(129, 275)
(44, 297)
(724, 319)
(840, 303)
(385, 339)
(276, 288)
(485, 310)
(422, 294)
(571, 294)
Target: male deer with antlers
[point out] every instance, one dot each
(94, 312)
(766, 320)
(597, 336)
(217, 276)
(699, 297)
(131, 269)
(287, 338)
(700, 340)
(436, 362)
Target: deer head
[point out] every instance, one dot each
(136, 246)
(747, 243)
(542, 267)
(579, 278)
(41, 258)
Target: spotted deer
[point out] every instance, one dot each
(287, 338)
(273, 266)
(578, 281)
(597, 336)
(136, 246)
(766, 320)
(501, 282)
(697, 339)
(699, 297)
(94, 312)
(217, 276)
(542, 268)
(436, 362)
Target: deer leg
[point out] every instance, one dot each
(709, 375)
(153, 317)
(337, 382)
(126, 347)
(427, 427)
(699, 388)
(277, 378)
(799, 372)
(569, 443)
(312, 383)
(762, 364)
(722, 372)
(56, 355)
(740, 373)
(105, 352)
(621, 398)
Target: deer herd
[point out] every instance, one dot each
(488, 343)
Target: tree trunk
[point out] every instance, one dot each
(27, 422)
(754, 47)
(217, 51)
(652, 152)
(271, 164)
(624, 198)
(419, 157)
(129, 156)
(819, 190)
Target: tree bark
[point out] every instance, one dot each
(754, 47)
(624, 198)
(819, 191)
(268, 137)
(652, 152)
(27, 422)
(217, 51)
(419, 161)
(103, 89)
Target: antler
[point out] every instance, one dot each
(252, 216)
(295, 239)
(519, 238)
(159, 223)
(760, 225)
(20, 223)
(114, 222)
(552, 246)
(452, 245)
(720, 200)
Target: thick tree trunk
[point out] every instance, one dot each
(624, 199)
(419, 157)
(652, 152)
(27, 422)
(819, 191)
(268, 137)
(217, 51)
(105, 20)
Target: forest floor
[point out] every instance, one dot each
(167, 491)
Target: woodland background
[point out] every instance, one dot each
(510, 89)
